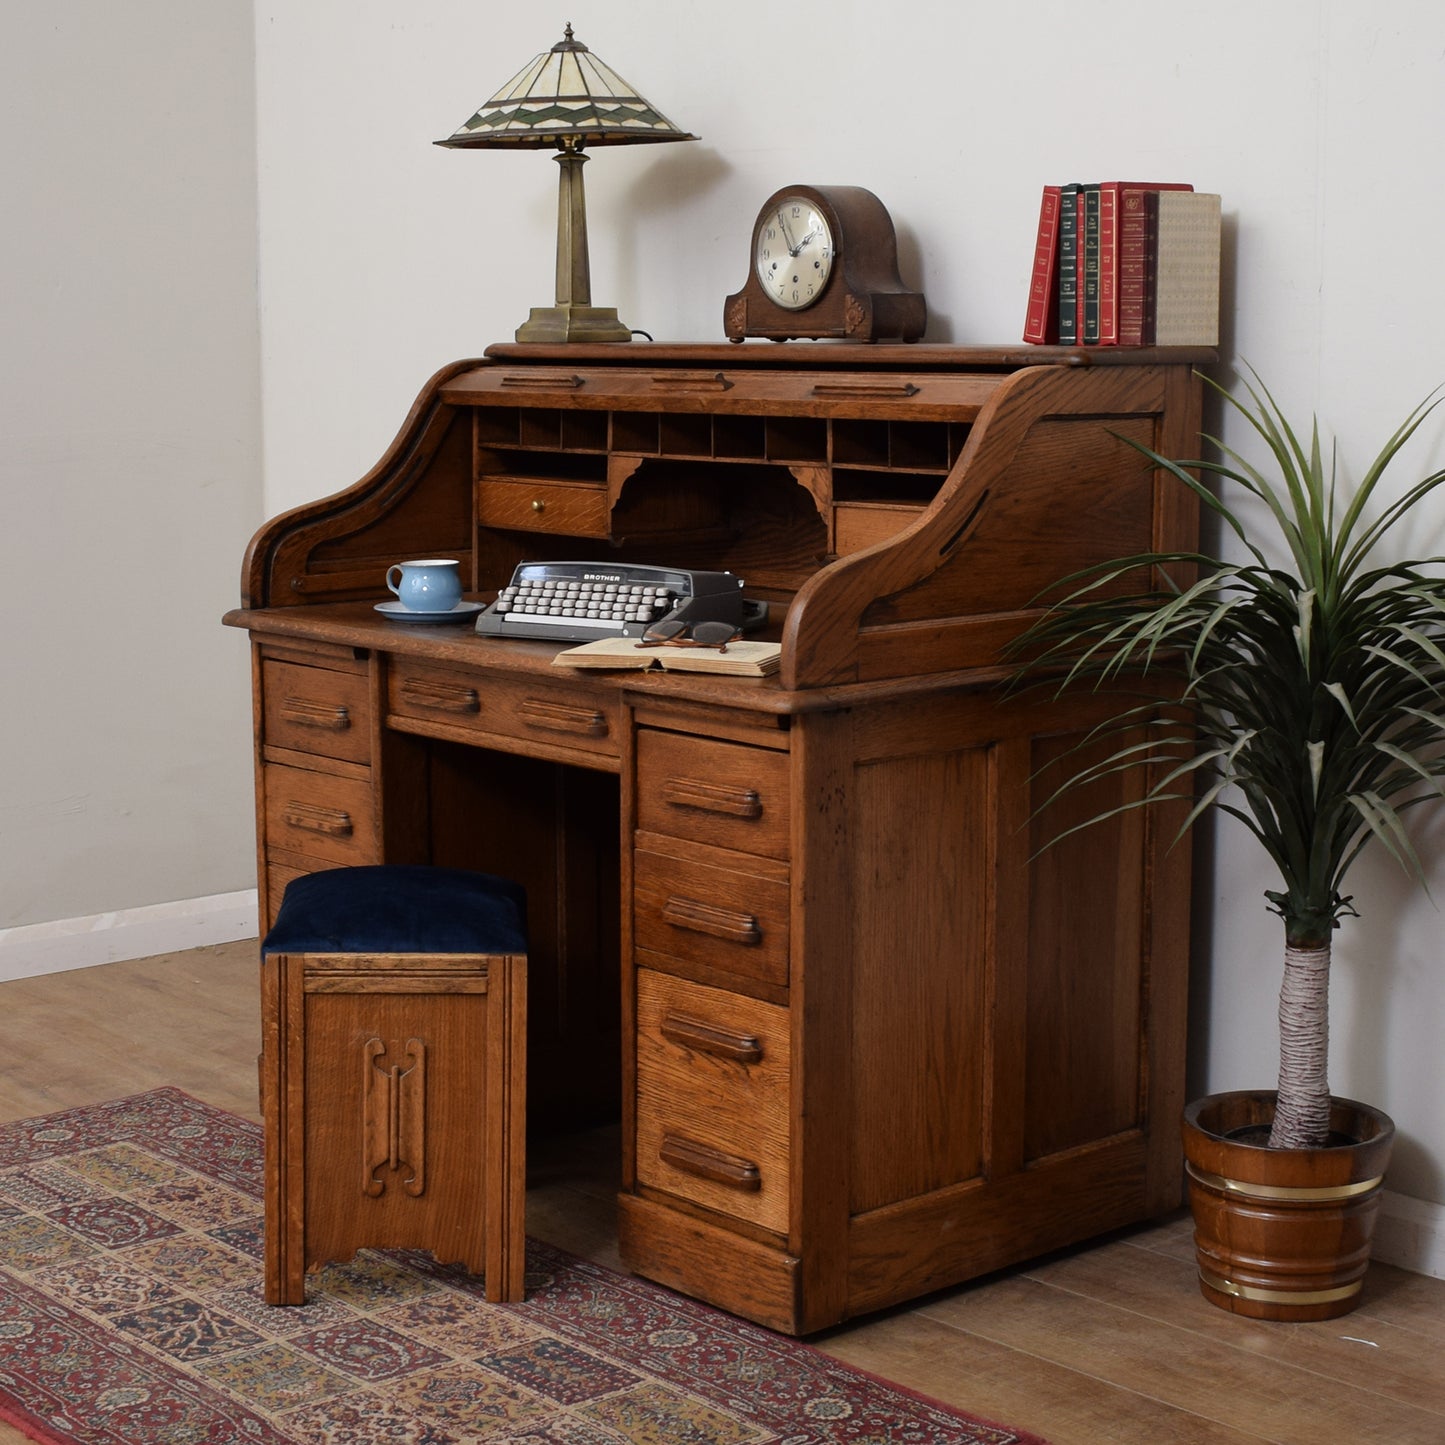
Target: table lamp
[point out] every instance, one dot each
(567, 98)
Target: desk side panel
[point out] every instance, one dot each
(416, 501)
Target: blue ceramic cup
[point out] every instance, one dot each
(432, 585)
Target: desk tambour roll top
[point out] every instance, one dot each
(906, 504)
(870, 1037)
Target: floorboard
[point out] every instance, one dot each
(1107, 1344)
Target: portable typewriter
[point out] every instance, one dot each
(581, 601)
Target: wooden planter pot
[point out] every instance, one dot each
(1283, 1234)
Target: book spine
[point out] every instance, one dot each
(1068, 264)
(1151, 264)
(1186, 305)
(1089, 272)
(1041, 324)
(1133, 264)
(1108, 265)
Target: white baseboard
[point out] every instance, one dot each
(67, 943)
(1410, 1233)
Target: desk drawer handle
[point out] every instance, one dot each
(705, 1038)
(709, 1163)
(698, 917)
(562, 717)
(865, 388)
(712, 797)
(305, 712)
(440, 696)
(312, 818)
(692, 381)
(544, 380)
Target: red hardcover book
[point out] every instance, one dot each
(1130, 262)
(1041, 324)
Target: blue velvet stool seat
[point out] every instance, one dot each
(393, 1072)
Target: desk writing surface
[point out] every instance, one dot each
(865, 1035)
(358, 625)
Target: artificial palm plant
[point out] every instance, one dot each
(1313, 702)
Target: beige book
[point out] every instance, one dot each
(742, 658)
(1186, 286)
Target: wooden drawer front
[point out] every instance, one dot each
(725, 794)
(532, 505)
(316, 711)
(712, 1098)
(319, 815)
(710, 913)
(556, 716)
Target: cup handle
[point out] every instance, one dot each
(394, 586)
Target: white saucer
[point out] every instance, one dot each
(400, 612)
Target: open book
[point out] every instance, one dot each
(742, 658)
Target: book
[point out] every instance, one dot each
(1088, 326)
(1124, 269)
(1186, 269)
(1068, 277)
(743, 658)
(1041, 322)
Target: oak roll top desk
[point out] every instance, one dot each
(866, 1038)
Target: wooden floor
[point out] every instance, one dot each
(1110, 1343)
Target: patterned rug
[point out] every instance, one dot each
(131, 1314)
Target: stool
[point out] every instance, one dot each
(393, 1072)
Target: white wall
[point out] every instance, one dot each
(129, 455)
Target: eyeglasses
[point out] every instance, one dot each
(697, 634)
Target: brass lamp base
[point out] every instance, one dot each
(573, 323)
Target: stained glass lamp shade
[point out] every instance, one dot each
(568, 99)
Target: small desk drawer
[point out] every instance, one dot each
(705, 912)
(314, 710)
(527, 504)
(550, 714)
(319, 815)
(725, 794)
(712, 1098)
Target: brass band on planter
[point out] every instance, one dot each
(1280, 1296)
(1301, 1193)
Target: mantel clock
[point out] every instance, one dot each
(824, 263)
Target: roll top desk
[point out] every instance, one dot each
(865, 1035)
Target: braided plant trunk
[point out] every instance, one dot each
(1302, 1112)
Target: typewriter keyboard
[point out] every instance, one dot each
(604, 606)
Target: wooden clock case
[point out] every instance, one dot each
(865, 298)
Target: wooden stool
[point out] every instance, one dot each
(393, 1072)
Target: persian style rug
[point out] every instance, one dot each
(131, 1314)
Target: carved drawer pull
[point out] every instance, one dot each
(440, 696)
(544, 380)
(306, 712)
(312, 818)
(736, 802)
(865, 388)
(710, 1163)
(562, 717)
(705, 1038)
(692, 381)
(698, 917)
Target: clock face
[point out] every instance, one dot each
(793, 256)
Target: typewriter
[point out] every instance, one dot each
(581, 601)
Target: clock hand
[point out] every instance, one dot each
(787, 237)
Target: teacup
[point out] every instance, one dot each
(430, 585)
